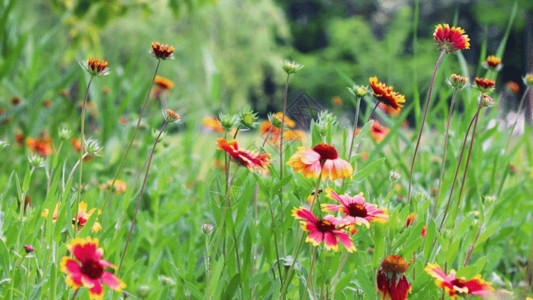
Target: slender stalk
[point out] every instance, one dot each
(291, 269)
(140, 196)
(281, 136)
(121, 164)
(442, 53)
(75, 294)
(275, 240)
(206, 262)
(443, 163)
(471, 248)
(367, 120)
(342, 262)
(357, 105)
(82, 150)
(310, 276)
(74, 169)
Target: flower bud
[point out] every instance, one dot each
(486, 101)
(291, 67)
(358, 90)
(247, 118)
(528, 79)
(171, 116)
(96, 67)
(227, 121)
(394, 176)
(92, 146)
(65, 133)
(28, 248)
(36, 161)
(207, 228)
(457, 81)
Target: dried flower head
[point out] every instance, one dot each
(171, 116)
(386, 94)
(93, 147)
(450, 39)
(291, 67)
(96, 67)
(457, 81)
(162, 51)
(493, 63)
(485, 85)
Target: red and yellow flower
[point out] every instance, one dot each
(451, 39)
(327, 229)
(493, 63)
(118, 188)
(40, 145)
(357, 211)
(88, 268)
(378, 131)
(247, 158)
(96, 67)
(410, 219)
(162, 51)
(391, 281)
(513, 87)
(322, 159)
(273, 132)
(83, 216)
(389, 110)
(485, 85)
(386, 94)
(458, 286)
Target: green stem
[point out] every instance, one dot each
(278, 262)
(310, 276)
(121, 164)
(368, 120)
(281, 137)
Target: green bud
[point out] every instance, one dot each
(291, 67)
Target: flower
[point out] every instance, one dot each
(162, 51)
(327, 229)
(386, 94)
(337, 101)
(493, 63)
(458, 286)
(486, 101)
(358, 91)
(378, 131)
(171, 116)
(249, 159)
(88, 268)
(357, 211)
(294, 135)
(207, 228)
(28, 248)
(83, 217)
(272, 128)
(44, 214)
(290, 67)
(40, 145)
(321, 159)
(485, 85)
(389, 110)
(450, 39)
(213, 124)
(96, 67)
(457, 81)
(423, 233)
(513, 87)
(391, 280)
(117, 188)
(528, 79)
(410, 219)
(394, 176)
(163, 83)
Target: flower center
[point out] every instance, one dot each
(93, 269)
(395, 264)
(459, 282)
(357, 210)
(326, 151)
(324, 226)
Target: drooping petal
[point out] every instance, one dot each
(315, 238)
(330, 241)
(112, 281)
(96, 292)
(346, 241)
(478, 286)
(302, 213)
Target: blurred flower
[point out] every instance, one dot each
(321, 159)
(389, 110)
(410, 219)
(171, 116)
(47, 103)
(106, 90)
(207, 228)
(19, 137)
(386, 94)
(162, 51)
(391, 280)
(337, 100)
(88, 268)
(450, 39)
(163, 83)
(493, 63)
(357, 211)
(273, 126)
(76, 144)
(291, 67)
(36, 161)
(512, 87)
(327, 229)
(485, 85)
(3, 145)
(44, 214)
(249, 159)
(423, 233)
(486, 101)
(64, 133)
(64, 92)
(394, 176)
(296, 135)
(458, 286)
(457, 81)
(213, 124)
(29, 248)
(40, 145)
(277, 118)
(358, 90)
(83, 217)
(96, 67)
(528, 79)
(15, 100)
(118, 188)
(378, 131)
(93, 146)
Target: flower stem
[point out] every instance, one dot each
(275, 241)
(140, 195)
(357, 105)
(82, 151)
(442, 53)
(368, 120)
(291, 269)
(121, 164)
(310, 276)
(443, 163)
(281, 136)
(471, 248)
(342, 262)
(75, 294)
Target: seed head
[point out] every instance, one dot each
(291, 67)
(92, 146)
(65, 133)
(36, 161)
(394, 176)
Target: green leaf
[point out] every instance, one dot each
(369, 169)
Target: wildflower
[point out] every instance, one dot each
(296, 135)
(458, 286)
(423, 233)
(44, 214)
(450, 39)
(277, 118)
(207, 228)
(386, 94)
(47, 103)
(357, 210)
(358, 90)
(513, 87)
(410, 219)
(457, 81)
(249, 159)
(88, 268)
(64, 92)
(389, 110)
(227, 121)
(93, 147)
(106, 90)
(28, 248)
(291, 67)
(493, 63)
(378, 131)
(36, 161)
(327, 229)
(65, 134)
(394, 176)
(486, 101)
(118, 188)
(83, 217)
(321, 159)
(19, 137)
(163, 83)
(40, 145)
(485, 85)
(337, 101)
(171, 116)
(391, 280)
(96, 67)
(213, 124)
(247, 118)
(162, 51)
(528, 79)
(15, 100)
(273, 125)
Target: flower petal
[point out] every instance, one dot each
(112, 281)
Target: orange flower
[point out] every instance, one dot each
(391, 280)
(386, 94)
(164, 83)
(162, 51)
(213, 124)
(450, 39)
(513, 87)
(40, 145)
(458, 286)
(493, 62)
(378, 131)
(96, 67)
(485, 85)
(118, 188)
(249, 159)
(410, 219)
(322, 159)
(389, 110)
(337, 101)
(296, 135)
